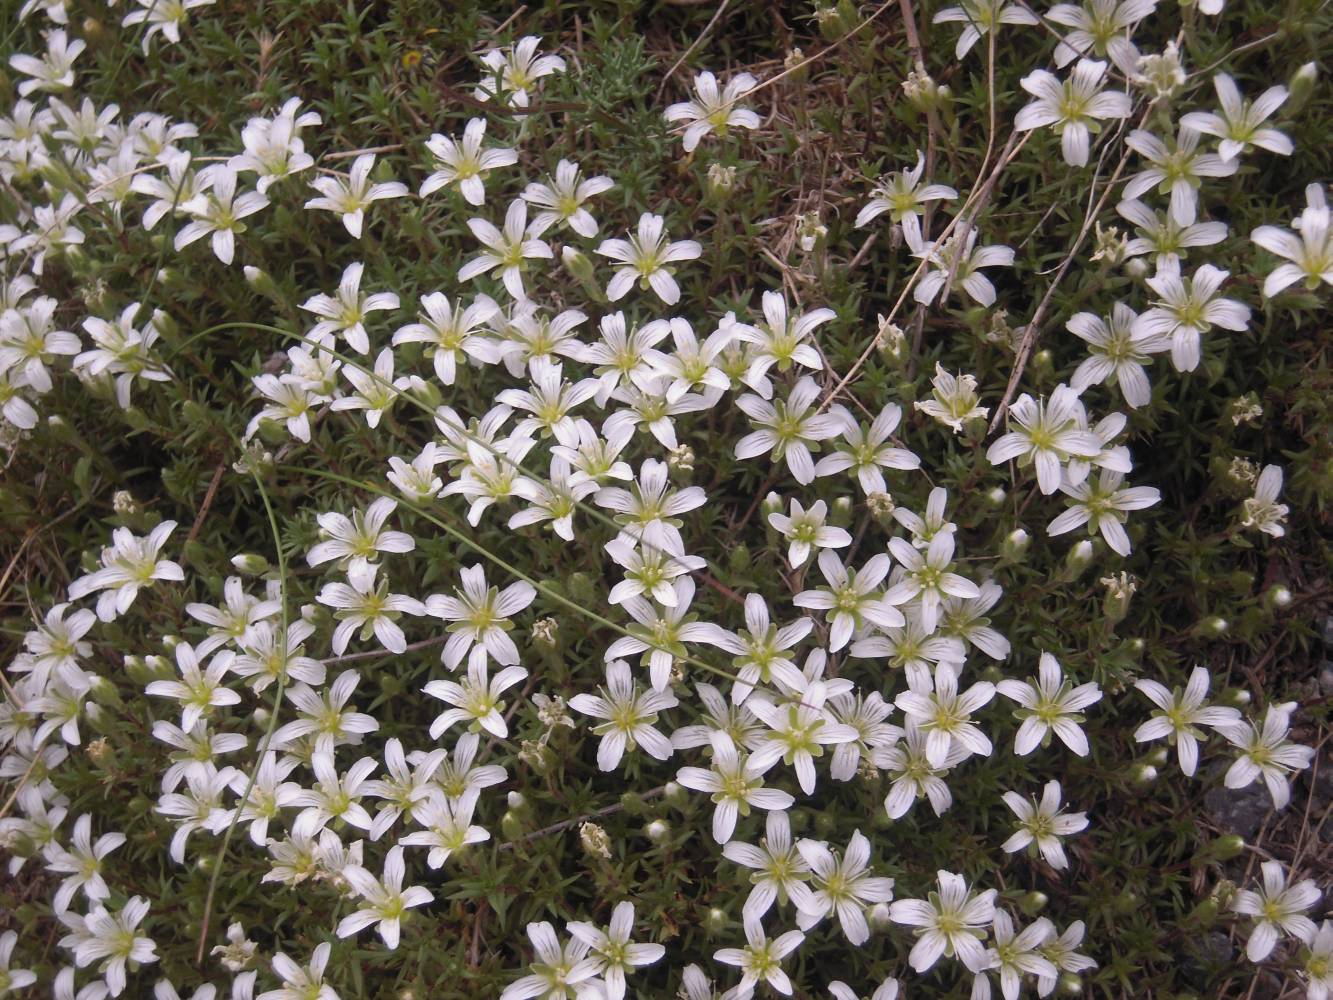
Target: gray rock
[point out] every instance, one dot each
(1238, 810)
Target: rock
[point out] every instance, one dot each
(1238, 810)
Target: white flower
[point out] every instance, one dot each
(713, 110)
(1061, 952)
(558, 972)
(867, 450)
(1050, 705)
(781, 340)
(735, 782)
(345, 313)
(761, 959)
(562, 200)
(515, 71)
(799, 731)
(362, 603)
(1164, 237)
(960, 257)
(945, 715)
(476, 699)
(955, 401)
(612, 948)
(787, 428)
(1178, 169)
(550, 400)
(887, 990)
(29, 342)
(852, 598)
(649, 510)
(289, 400)
(1118, 351)
(630, 715)
(333, 796)
(165, 16)
(273, 147)
(692, 364)
(1102, 27)
(648, 571)
(1102, 507)
(1266, 752)
(1179, 712)
(926, 577)
(1278, 908)
(376, 390)
(644, 257)
(465, 163)
(1309, 254)
(302, 982)
(81, 863)
(1043, 824)
(842, 885)
(449, 333)
(951, 921)
(903, 197)
(1074, 107)
(1318, 963)
(1050, 432)
(349, 198)
(322, 714)
(387, 901)
(54, 71)
(1188, 308)
(982, 16)
(362, 536)
(779, 870)
(198, 691)
(218, 211)
(1016, 955)
(506, 251)
(762, 650)
(805, 530)
(128, 563)
(111, 938)
(417, 480)
(1262, 510)
(1238, 123)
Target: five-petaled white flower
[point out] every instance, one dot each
(1308, 251)
(1179, 712)
(1187, 309)
(787, 428)
(761, 958)
(558, 971)
(1043, 824)
(562, 199)
(515, 71)
(612, 948)
(344, 314)
(476, 699)
(735, 781)
(385, 900)
(1279, 909)
(805, 530)
(1265, 752)
(1239, 123)
(128, 563)
(852, 598)
(644, 257)
(779, 871)
(349, 198)
(1050, 432)
(713, 110)
(903, 197)
(362, 536)
(630, 715)
(952, 922)
(944, 714)
(465, 163)
(507, 250)
(219, 211)
(1102, 506)
(480, 614)
(1073, 107)
(1049, 704)
(843, 886)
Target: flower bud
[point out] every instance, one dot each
(1159, 756)
(1120, 588)
(1214, 626)
(878, 917)
(511, 826)
(996, 496)
(1032, 903)
(260, 281)
(1136, 267)
(1078, 560)
(738, 560)
(840, 513)
(715, 920)
(1071, 985)
(675, 793)
(657, 831)
(1278, 597)
(772, 504)
(250, 564)
(578, 265)
(1300, 88)
(1228, 847)
(1015, 546)
(1143, 774)
(581, 589)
